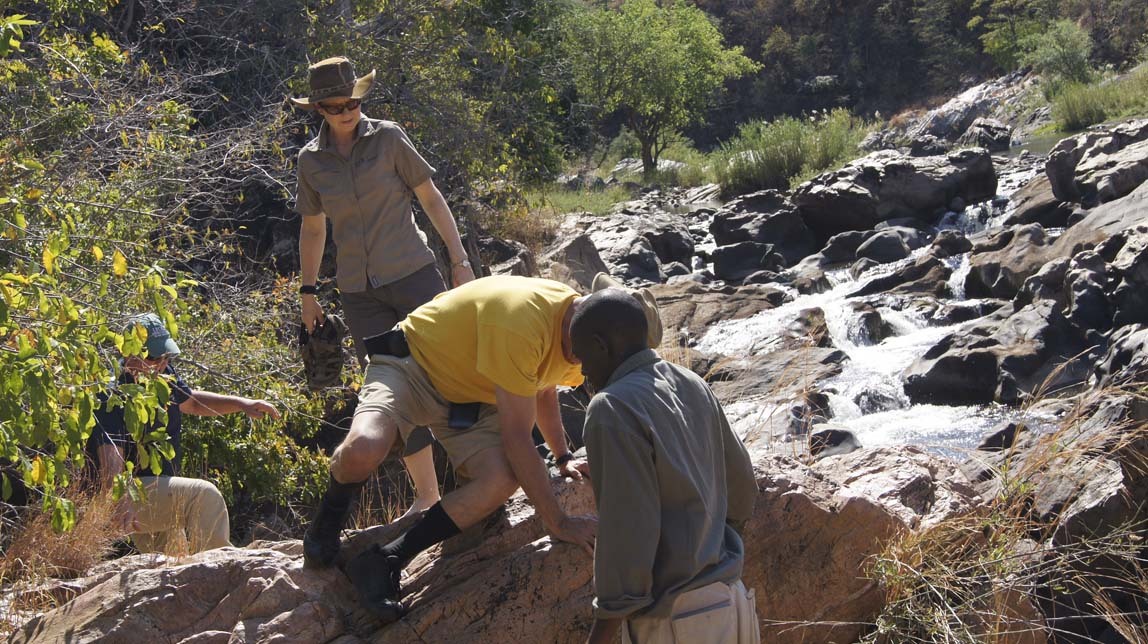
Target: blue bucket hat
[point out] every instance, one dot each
(159, 341)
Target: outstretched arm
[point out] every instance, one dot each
(207, 403)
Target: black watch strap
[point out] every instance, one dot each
(564, 459)
(308, 289)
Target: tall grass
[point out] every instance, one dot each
(780, 153)
(1079, 105)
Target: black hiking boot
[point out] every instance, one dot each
(321, 542)
(376, 578)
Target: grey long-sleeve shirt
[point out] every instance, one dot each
(667, 473)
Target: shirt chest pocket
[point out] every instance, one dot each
(334, 188)
(377, 178)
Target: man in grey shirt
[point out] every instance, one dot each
(670, 478)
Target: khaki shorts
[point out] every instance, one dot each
(401, 390)
(719, 613)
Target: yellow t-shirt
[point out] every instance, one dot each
(499, 331)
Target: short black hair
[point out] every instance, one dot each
(611, 313)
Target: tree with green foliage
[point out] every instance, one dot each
(659, 64)
(1006, 24)
(1060, 53)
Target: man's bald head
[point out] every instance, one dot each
(608, 327)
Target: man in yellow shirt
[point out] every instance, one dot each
(478, 365)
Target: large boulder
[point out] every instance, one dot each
(816, 526)
(766, 217)
(688, 308)
(1017, 254)
(812, 531)
(1126, 360)
(989, 134)
(1007, 355)
(884, 247)
(927, 274)
(953, 118)
(506, 257)
(887, 185)
(1130, 271)
(578, 259)
(1035, 203)
(737, 261)
(1100, 165)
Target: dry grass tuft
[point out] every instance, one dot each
(37, 556)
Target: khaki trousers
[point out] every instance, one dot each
(715, 614)
(181, 516)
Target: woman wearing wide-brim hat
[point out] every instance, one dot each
(361, 173)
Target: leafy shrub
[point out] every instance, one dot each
(778, 154)
(1060, 54)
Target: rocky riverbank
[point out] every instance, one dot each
(866, 331)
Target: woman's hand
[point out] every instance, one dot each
(312, 313)
(460, 274)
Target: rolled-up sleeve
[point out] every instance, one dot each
(307, 201)
(741, 484)
(629, 513)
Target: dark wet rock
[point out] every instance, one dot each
(871, 327)
(955, 312)
(762, 277)
(737, 261)
(674, 269)
(949, 243)
(1126, 360)
(1100, 165)
(884, 247)
(689, 309)
(1002, 438)
(860, 266)
(671, 244)
(827, 440)
(1008, 355)
(928, 145)
(506, 257)
(886, 185)
(926, 275)
(810, 408)
(873, 401)
(1036, 204)
(778, 223)
(1001, 273)
(842, 247)
(808, 330)
(810, 279)
(988, 133)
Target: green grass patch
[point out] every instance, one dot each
(1079, 105)
(556, 201)
(781, 153)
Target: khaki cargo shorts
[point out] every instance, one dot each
(401, 390)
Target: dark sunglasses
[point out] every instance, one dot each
(335, 110)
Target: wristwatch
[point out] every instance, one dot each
(464, 263)
(308, 289)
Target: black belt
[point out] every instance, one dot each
(390, 343)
